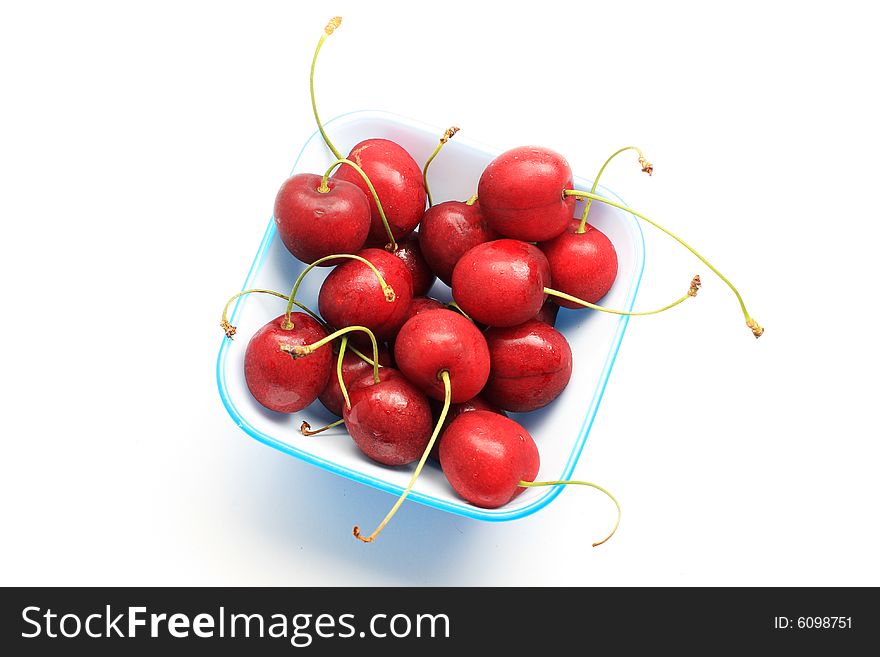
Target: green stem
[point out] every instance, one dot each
(647, 167)
(364, 357)
(454, 306)
(692, 292)
(757, 329)
(229, 329)
(386, 289)
(392, 245)
(331, 26)
(339, 371)
(302, 350)
(449, 134)
(448, 398)
(471, 200)
(565, 482)
(306, 429)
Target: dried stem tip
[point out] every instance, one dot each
(335, 22)
(297, 350)
(449, 134)
(696, 284)
(757, 329)
(356, 532)
(647, 167)
(228, 329)
(389, 293)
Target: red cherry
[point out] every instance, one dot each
(421, 305)
(277, 380)
(477, 403)
(315, 224)
(474, 404)
(485, 455)
(531, 365)
(501, 283)
(448, 230)
(583, 265)
(353, 367)
(409, 250)
(418, 306)
(352, 296)
(398, 182)
(390, 421)
(521, 193)
(439, 340)
(548, 313)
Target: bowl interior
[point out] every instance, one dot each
(560, 429)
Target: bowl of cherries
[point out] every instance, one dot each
(435, 317)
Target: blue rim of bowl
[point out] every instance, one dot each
(461, 508)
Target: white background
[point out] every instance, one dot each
(141, 146)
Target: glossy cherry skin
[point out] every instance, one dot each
(421, 305)
(353, 368)
(521, 194)
(409, 250)
(398, 182)
(548, 313)
(277, 380)
(582, 265)
(389, 421)
(439, 340)
(448, 231)
(531, 365)
(312, 224)
(418, 306)
(352, 296)
(475, 404)
(501, 283)
(485, 455)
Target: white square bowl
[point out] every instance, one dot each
(560, 429)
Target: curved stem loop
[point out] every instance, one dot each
(392, 245)
(302, 350)
(449, 134)
(386, 288)
(647, 167)
(230, 330)
(757, 329)
(444, 375)
(692, 292)
(331, 26)
(566, 482)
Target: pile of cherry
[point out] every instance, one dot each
(411, 377)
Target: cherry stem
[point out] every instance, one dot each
(339, 371)
(386, 289)
(647, 167)
(331, 26)
(471, 200)
(302, 350)
(230, 330)
(454, 306)
(444, 375)
(306, 429)
(323, 189)
(757, 329)
(566, 482)
(692, 292)
(363, 357)
(449, 134)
